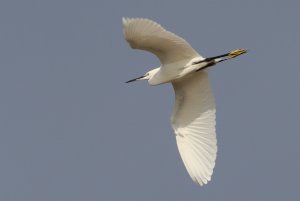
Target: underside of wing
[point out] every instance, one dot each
(193, 121)
(148, 35)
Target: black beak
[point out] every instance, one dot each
(135, 79)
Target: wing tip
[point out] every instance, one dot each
(201, 181)
(199, 170)
(125, 20)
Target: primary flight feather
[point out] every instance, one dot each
(193, 118)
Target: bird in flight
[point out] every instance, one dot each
(193, 117)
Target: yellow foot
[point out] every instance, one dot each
(236, 53)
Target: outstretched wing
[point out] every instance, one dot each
(193, 121)
(148, 35)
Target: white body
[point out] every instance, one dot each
(193, 118)
(173, 71)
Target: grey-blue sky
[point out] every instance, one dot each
(72, 130)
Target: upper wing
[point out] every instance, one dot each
(148, 35)
(193, 121)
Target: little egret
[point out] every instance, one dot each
(193, 118)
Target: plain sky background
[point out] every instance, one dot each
(72, 130)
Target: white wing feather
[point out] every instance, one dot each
(193, 121)
(148, 35)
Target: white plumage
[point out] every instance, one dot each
(148, 35)
(193, 121)
(193, 118)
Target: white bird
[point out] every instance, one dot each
(193, 118)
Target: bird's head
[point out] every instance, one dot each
(147, 75)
